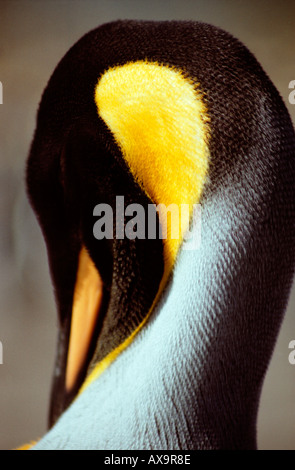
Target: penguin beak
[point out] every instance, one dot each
(87, 301)
(80, 322)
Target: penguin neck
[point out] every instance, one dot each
(202, 331)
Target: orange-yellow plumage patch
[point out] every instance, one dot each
(160, 122)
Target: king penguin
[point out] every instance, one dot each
(163, 343)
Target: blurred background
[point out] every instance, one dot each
(34, 35)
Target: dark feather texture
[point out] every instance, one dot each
(241, 292)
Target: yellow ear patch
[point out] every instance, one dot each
(160, 123)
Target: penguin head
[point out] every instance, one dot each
(144, 118)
